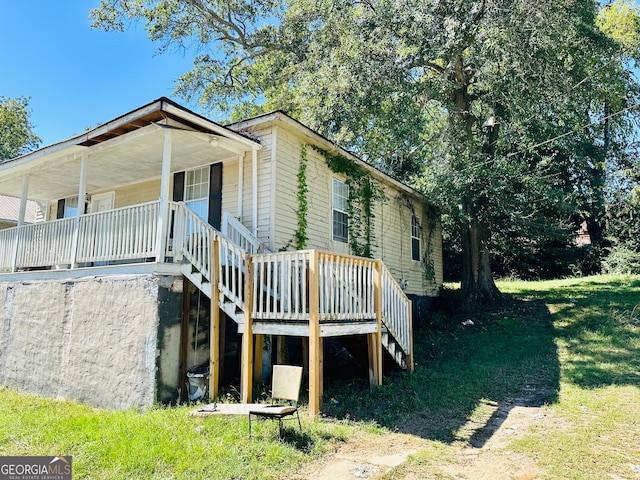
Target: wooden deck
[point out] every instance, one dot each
(309, 293)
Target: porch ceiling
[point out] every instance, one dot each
(123, 160)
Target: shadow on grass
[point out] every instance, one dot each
(468, 378)
(463, 375)
(599, 324)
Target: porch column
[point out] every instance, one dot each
(82, 198)
(23, 208)
(254, 181)
(23, 200)
(163, 208)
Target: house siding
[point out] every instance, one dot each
(263, 188)
(392, 221)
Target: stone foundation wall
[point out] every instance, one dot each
(100, 340)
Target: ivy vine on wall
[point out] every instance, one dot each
(300, 235)
(363, 193)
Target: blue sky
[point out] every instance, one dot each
(77, 76)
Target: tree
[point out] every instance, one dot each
(452, 96)
(16, 131)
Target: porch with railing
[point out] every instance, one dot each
(307, 293)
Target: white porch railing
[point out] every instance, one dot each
(122, 234)
(192, 238)
(345, 286)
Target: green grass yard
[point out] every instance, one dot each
(570, 347)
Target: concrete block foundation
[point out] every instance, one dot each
(109, 341)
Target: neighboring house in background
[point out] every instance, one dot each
(10, 211)
(583, 238)
(109, 300)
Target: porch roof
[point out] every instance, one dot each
(123, 151)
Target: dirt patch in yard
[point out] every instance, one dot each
(482, 450)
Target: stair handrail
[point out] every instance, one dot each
(192, 238)
(235, 231)
(396, 310)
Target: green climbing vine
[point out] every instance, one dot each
(427, 233)
(300, 235)
(363, 193)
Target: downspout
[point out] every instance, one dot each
(240, 185)
(254, 172)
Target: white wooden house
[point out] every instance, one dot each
(158, 214)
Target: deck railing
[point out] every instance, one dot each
(47, 244)
(281, 286)
(396, 310)
(192, 238)
(345, 286)
(232, 266)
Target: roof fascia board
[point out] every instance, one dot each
(173, 109)
(279, 117)
(75, 141)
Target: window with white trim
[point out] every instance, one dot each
(416, 234)
(340, 201)
(196, 191)
(70, 207)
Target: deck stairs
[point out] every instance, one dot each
(281, 286)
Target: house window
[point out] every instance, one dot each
(68, 207)
(196, 192)
(340, 198)
(416, 234)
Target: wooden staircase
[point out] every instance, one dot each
(280, 285)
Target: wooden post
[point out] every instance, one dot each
(315, 343)
(214, 324)
(281, 357)
(222, 338)
(257, 358)
(410, 364)
(247, 335)
(184, 336)
(373, 359)
(377, 305)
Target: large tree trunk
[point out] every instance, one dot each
(477, 284)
